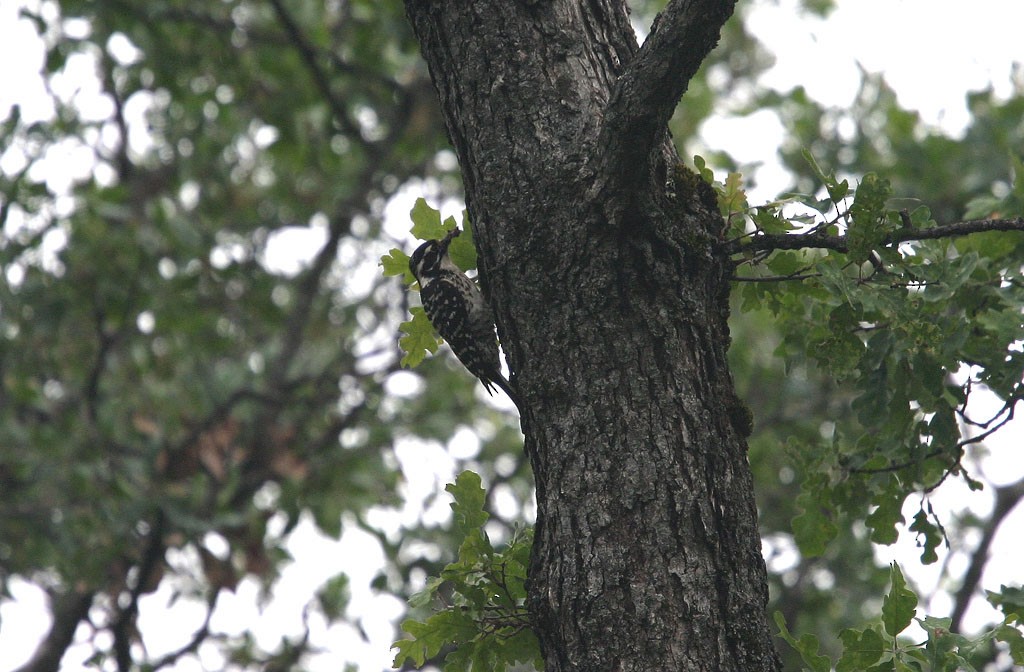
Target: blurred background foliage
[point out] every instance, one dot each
(198, 351)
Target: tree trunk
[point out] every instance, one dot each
(597, 254)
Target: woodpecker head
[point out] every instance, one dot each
(425, 262)
(430, 258)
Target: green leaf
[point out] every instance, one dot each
(837, 191)
(462, 250)
(868, 224)
(812, 529)
(838, 284)
(886, 516)
(946, 649)
(426, 221)
(706, 173)
(470, 499)
(861, 648)
(981, 207)
(396, 262)
(925, 529)
(409, 650)
(486, 619)
(787, 263)
(806, 646)
(470, 656)
(1015, 639)
(424, 597)
(522, 648)
(419, 338)
(1010, 205)
(900, 605)
(334, 596)
(919, 212)
(733, 200)
(451, 625)
(1009, 600)
(769, 220)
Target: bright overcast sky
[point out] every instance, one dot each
(932, 53)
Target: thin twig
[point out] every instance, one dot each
(775, 278)
(960, 445)
(200, 636)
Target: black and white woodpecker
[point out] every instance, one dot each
(458, 311)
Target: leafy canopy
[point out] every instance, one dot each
(158, 372)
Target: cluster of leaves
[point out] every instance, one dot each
(168, 391)
(484, 593)
(151, 362)
(900, 319)
(895, 315)
(800, 408)
(879, 647)
(484, 624)
(1009, 203)
(419, 337)
(876, 133)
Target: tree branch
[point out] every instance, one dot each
(123, 628)
(200, 635)
(320, 78)
(647, 92)
(1007, 498)
(772, 242)
(68, 610)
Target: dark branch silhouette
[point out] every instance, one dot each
(1007, 498)
(123, 627)
(68, 610)
(320, 76)
(815, 240)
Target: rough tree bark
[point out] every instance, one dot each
(598, 257)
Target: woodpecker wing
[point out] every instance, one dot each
(457, 310)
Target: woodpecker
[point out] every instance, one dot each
(457, 309)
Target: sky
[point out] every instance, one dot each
(931, 51)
